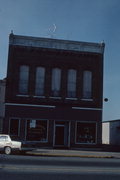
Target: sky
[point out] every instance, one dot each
(79, 20)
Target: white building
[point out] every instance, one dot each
(111, 132)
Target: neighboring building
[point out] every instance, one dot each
(111, 132)
(54, 91)
(2, 103)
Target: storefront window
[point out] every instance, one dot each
(86, 132)
(37, 130)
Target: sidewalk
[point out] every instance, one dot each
(73, 153)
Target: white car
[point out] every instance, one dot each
(7, 144)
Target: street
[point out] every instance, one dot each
(19, 167)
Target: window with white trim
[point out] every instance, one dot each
(87, 85)
(56, 82)
(14, 127)
(23, 79)
(40, 81)
(71, 84)
(37, 130)
(86, 132)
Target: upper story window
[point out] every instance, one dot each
(56, 82)
(40, 81)
(71, 84)
(87, 85)
(23, 79)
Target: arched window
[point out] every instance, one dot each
(40, 81)
(87, 85)
(23, 79)
(56, 82)
(71, 84)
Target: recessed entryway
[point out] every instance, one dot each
(61, 134)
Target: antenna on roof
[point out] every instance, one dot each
(52, 30)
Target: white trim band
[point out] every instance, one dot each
(30, 105)
(82, 108)
(50, 106)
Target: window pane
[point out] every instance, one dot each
(40, 81)
(56, 82)
(71, 86)
(23, 79)
(2, 138)
(14, 127)
(86, 132)
(37, 130)
(87, 84)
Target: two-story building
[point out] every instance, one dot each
(54, 91)
(2, 102)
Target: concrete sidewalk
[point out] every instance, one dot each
(73, 153)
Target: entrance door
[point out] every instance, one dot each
(59, 135)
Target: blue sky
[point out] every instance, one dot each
(81, 20)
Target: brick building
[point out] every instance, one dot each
(2, 103)
(54, 91)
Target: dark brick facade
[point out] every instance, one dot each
(62, 113)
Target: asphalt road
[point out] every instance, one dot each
(18, 167)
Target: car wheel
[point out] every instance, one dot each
(7, 150)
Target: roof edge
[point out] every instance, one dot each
(56, 44)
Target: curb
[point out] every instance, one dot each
(66, 155)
